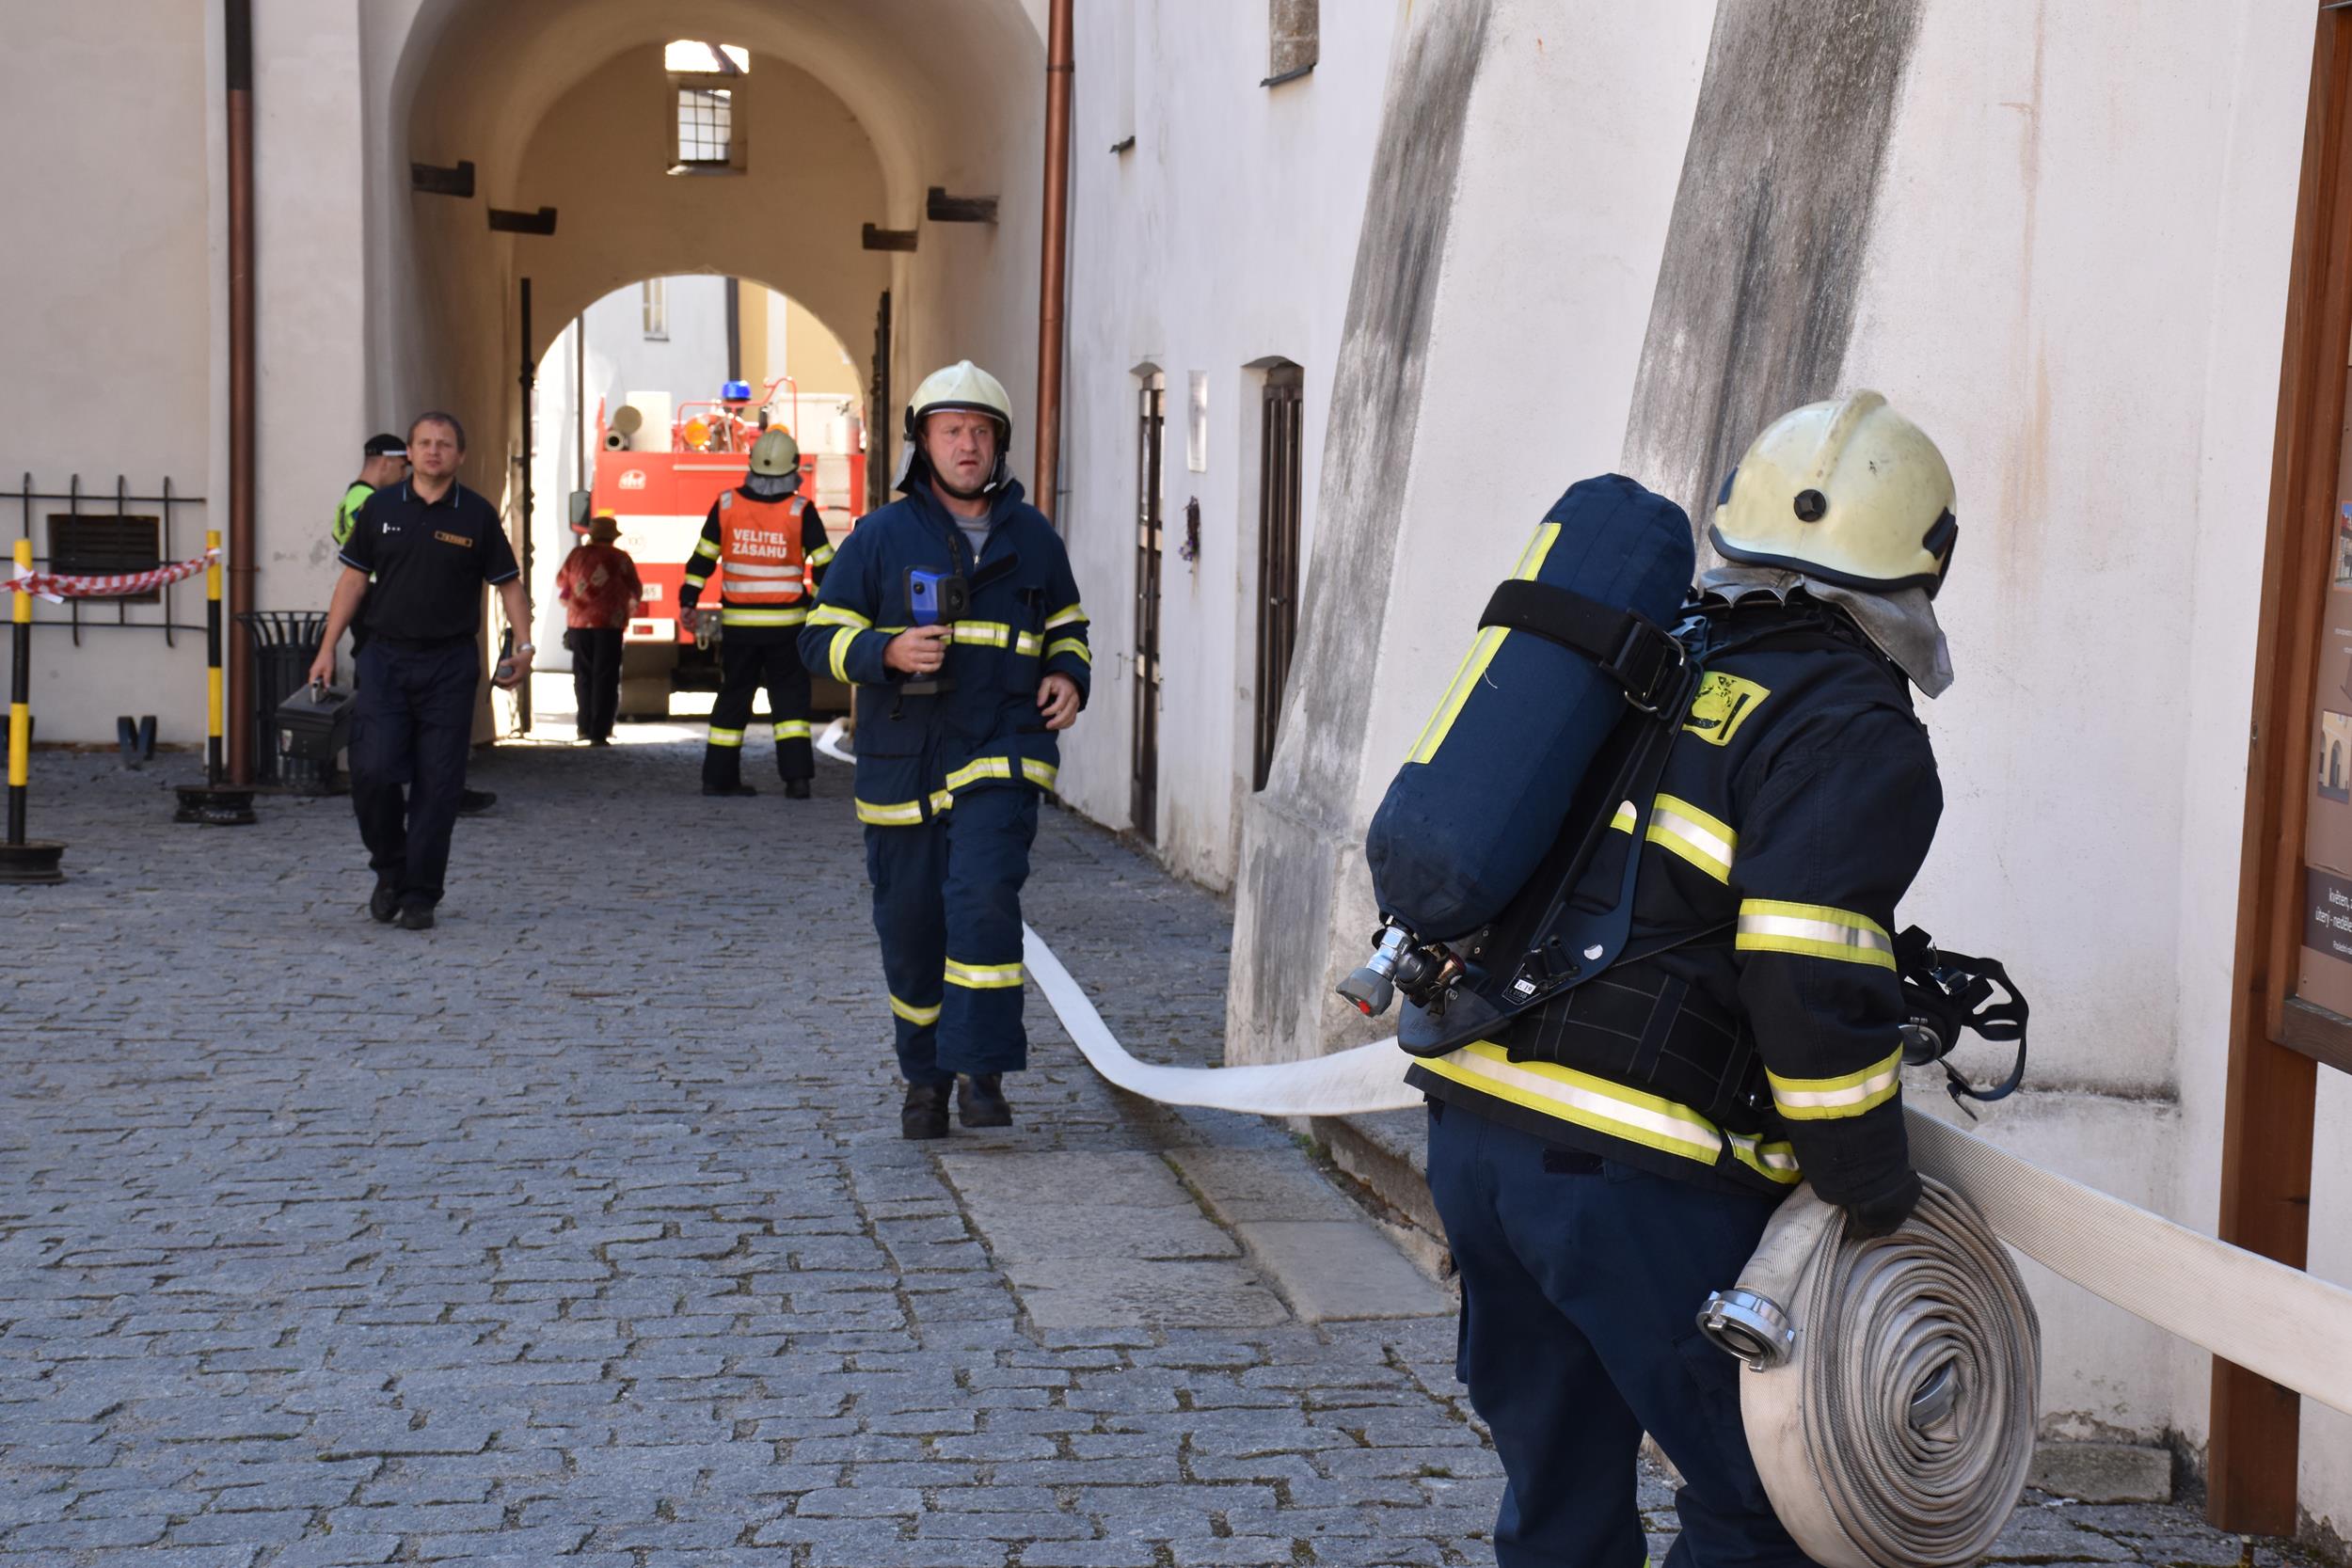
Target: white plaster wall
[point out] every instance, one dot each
(311, 409)
(2096, 346)
(1540, 318)
(109, 339)
(120, 338)
(1225, 236)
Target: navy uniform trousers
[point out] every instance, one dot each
(411, 728)
(1582, 1283)
(749, 659)
(947, 908)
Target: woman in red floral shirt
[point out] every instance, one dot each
(599, 585)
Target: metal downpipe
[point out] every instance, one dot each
(1053, 258)
(238, 18)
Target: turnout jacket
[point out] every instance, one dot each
(1756, 1043)
(921, 743)
(760, 584)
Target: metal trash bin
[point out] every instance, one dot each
(284, 643)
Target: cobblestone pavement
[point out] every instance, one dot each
(577, 1230)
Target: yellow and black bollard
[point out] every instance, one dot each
(213, 803)
(23, 860)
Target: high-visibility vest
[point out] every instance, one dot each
(761, 561)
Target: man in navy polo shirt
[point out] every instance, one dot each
(429, 544)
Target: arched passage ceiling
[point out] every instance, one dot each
(925, 81)
(791, 218)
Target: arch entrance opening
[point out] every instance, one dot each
(584, 145)
(645, 407)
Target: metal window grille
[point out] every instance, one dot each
(1150, 429)
(705, 126)
(76, 548)
(1281, 451)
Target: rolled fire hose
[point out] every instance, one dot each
(1926, 1353)
(1892, 1383)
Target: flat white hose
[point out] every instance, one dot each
(2281, 1322)
(1897, 1432)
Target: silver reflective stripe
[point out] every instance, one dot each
(1767, 925)
(1696, 837)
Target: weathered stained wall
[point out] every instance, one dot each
(1763, 265)
(1298, 840)
(1533, 330)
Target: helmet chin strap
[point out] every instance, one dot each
(958, 491)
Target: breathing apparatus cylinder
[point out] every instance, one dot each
(1487, 786)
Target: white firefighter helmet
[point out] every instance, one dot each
(1847, 491)
(775, 452)
(959, 386)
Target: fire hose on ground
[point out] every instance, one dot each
(1892, 1384)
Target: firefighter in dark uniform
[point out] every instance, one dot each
(766, 541)
(414, 566)
(957, 715)
(1610, 1158)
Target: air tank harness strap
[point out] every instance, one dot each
(1946, 992)
(1643, 657)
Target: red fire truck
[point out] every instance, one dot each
(661, 486)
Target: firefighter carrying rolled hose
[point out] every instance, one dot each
(1605, 1159)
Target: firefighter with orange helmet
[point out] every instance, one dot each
(766, 542)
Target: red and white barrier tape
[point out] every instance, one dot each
(57, 587)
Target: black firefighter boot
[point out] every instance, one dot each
(980, 1099)
(924, 1112)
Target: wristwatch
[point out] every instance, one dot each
(526, 647)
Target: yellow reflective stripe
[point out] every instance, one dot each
(1070, 616)
(1041, 774)
(1849, 1095)
(985, 634)
(1473, 666)
(1028, 642)
(791, 729)
(904, 813)
(1068, 645)
(1622, 821)
(983, 976)
(696, 578)
(725, 737)
(838, 654)
(982, 768)
(1689, 834)
(1584, 1100)
(746, 616)
(1816, 930)
(941, 800)
(822, 554)
(1776, 1160)
(913, 1014)
(837, 615)
(707, 549)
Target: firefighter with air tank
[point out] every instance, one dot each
(766, 542)
(1607, 1154)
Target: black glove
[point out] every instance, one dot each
(1883, 1213)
